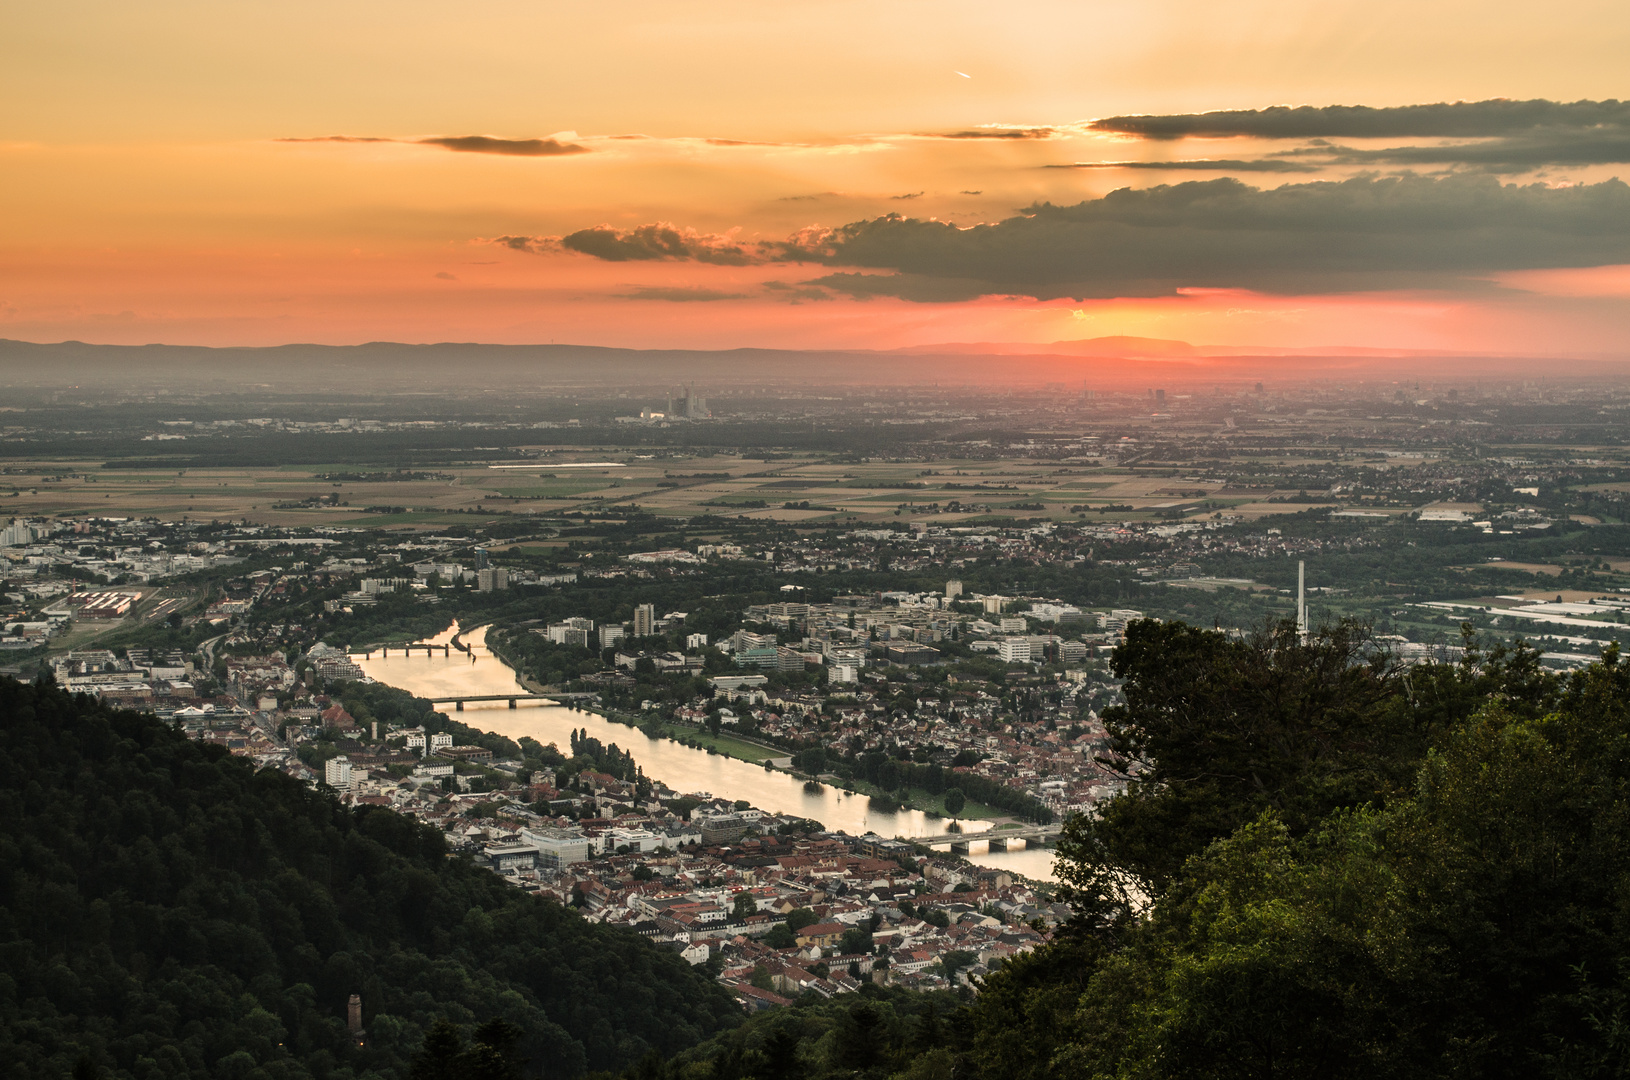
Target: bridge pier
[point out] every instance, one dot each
(959, 847)
(512, 703)
(459, 705)
(446, 651)
(998, 844)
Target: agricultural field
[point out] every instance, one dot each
(810, 488)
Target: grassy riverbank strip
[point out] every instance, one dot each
(928, 803)
(729, 745)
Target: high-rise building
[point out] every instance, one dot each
(1014, 650)
(19, 534)
(645, 617)
(493, 578)
(337, 773)
(953, 588)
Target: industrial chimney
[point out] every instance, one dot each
(1301, 601)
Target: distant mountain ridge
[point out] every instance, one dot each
(1108, 363)
(1126, 346)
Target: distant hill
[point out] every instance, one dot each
(166, 911)
(387, 367)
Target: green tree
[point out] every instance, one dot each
(955, 800)
(439, 1054)
(856, 939)
(798, 918)
(863, 1037)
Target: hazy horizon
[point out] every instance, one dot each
(1259, 176)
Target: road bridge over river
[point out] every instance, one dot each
(458, 700)
(999, 839)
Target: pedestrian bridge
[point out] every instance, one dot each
(999, 839)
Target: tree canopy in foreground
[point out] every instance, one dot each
(1326, 864)
(166, 911)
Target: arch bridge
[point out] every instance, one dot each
(999, 839)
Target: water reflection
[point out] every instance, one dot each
(680, 767)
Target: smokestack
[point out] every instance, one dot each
(353, 1014)
(1301, 601)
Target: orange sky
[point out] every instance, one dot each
(147, 192)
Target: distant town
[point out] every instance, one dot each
(928, 628)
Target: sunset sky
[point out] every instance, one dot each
(713, 174)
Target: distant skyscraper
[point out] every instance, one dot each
(690, 405)
(953, 588)
(645, 617)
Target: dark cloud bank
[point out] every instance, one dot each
(1513, 136)
(658, 241)
(1370, 233)
(1461, 119)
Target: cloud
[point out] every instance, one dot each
(1514, 154)
(537, 245)
(1461, 119)
(681, 295)
(1362, 234)
(909, 195)
(465, 144)
(994, 133)
(483, 144)
(656, 241)
(919, 288)
(338, 139)
(445, 276)
(1274, 165)
(796, 292)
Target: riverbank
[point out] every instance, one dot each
(779, 758)
(682, 767)
(758, 753)
(741, 749)
(929, 803)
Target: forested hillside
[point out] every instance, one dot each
(165, 911)
(1327, 865)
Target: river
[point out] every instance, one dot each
(682, 768)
